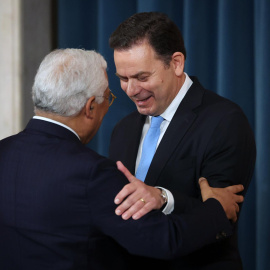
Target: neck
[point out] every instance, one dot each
(177, 87)
(71, 121)
(62, 119)
(181, 81)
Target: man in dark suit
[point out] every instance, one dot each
(56, 195)
(201, 133)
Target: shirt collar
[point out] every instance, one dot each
(170, 111)
(55, 122)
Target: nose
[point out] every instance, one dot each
(132, 88)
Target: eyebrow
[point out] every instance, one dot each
(135, 75)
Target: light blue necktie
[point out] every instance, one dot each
(149, 147)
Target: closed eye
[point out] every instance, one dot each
(143, 78)
(124, 79)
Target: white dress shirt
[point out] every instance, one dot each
(57, 123)
(167, 115)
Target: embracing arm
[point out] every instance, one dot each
(228, 159)
(226, 196)
(156, 235)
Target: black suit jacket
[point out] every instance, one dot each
(208, 136)
(57, 210)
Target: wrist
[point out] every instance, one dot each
(163, 195)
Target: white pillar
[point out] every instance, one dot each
(10, 68)
(27, 33)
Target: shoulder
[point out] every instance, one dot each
(212, 102)
(130, 123)
(86, 155)
(10, 142)
(129, 119)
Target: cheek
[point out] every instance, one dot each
(123, 85)
(154, 87)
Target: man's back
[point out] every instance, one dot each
(40, 178)
(45, 217)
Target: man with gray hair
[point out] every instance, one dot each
(56, 201)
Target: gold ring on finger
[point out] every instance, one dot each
(142, 200)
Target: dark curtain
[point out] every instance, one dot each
(228, 49)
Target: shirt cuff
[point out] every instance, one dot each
(170, 202)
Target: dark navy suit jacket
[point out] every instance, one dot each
(208, 136)
(57, 210)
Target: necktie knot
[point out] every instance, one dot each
(156, 121)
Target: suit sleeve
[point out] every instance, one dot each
(228, 159)
(155, 235)
(230, 154)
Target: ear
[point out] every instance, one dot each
(90, 107)
(178, 61)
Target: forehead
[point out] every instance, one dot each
(138, 58)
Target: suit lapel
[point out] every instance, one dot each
(180, 124)
(135, 136)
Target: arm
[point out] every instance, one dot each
(228, 159)
(230, 153)
(155, 235)
(226, 196)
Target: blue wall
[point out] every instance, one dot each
(227, 44)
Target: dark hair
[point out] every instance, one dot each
(157, 28)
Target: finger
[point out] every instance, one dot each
(127, 203)
(235, 188)
(234, 219)
(237, 207)
(238, 198)
(142, 212)
(125, 191)
(133, 209)
(125, 171)
(203, 182)
(204, 186)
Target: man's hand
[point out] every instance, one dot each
(226, 196)
(136, 198)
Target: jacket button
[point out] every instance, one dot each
(221, 235)
(224, 234)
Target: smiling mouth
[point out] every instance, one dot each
(145, 99)
(142, 102)
(139, 101)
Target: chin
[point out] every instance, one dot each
(143, 112)
(146, 111)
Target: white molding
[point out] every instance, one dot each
(10, 68)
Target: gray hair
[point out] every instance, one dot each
(67, 78)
